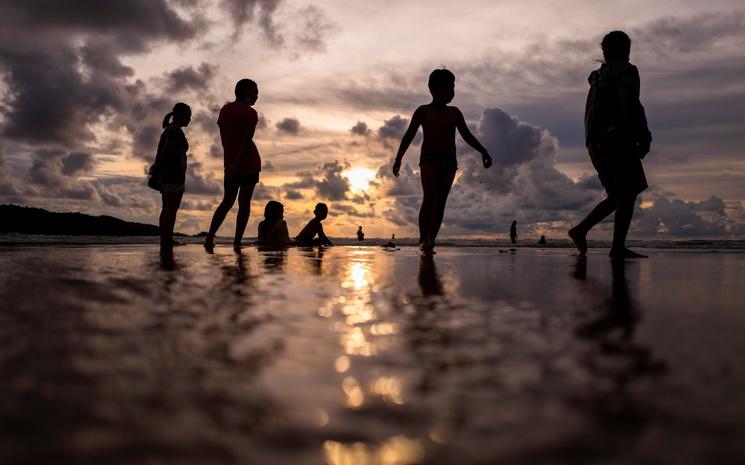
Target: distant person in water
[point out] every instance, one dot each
(307, 236)
(437, 162)
(360, 234)
(392, 243)
(237, 122)
(168, 173)
(617, 138)
(513, 232)
(273, 229)
(542, 240)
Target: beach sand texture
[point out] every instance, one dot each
(358, 356)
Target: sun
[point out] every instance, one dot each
(359, 178)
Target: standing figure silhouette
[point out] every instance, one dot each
(237, 122)
(513, 232)
(168, 173)
(617, 138)
(437, 162)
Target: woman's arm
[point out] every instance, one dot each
(471, 140)
(416, 121)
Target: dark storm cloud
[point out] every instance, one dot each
(77, 162)
(189, 78)
(679, 218)
(262, 12)
(289, 126)
(393, 129)
(326, 180)
(199, 182)
(65, 73)
(360, 129)
(293, 195)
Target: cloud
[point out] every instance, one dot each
(314, 30)
(668, 217)
(326, 180)
(262, 12)
(72, 56)
(360, 129)
(77, 162)
(199, 182)
(289, 126)
(393, 130)
(523, 184)
(293, 195)
(189, 78)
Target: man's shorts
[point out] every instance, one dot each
(242, 180)
(619, 169)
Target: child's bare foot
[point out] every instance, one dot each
(625, 253)
(580, 241)
(237, 245)
(209, 244)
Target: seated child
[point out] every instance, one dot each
(273, 229)
(307, 236)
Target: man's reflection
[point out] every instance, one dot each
(429, 281)
(616, 357)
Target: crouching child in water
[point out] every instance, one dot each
(437, 162)
(307, 236)
(273, 228)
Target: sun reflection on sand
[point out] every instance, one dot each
(398, 450)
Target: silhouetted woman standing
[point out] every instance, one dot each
(617, 138)
(169, 170)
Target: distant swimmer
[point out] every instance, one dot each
(391, 244)
(360, 234)
(542, 240)
(513, 232)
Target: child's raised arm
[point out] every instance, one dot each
(416, 121)
(471, 140)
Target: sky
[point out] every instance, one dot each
(84, 86)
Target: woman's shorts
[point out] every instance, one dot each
(242, 180)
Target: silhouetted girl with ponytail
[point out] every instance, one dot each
(168, 174)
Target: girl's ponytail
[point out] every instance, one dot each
(167, 119)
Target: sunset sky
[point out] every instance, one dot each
(85, 85)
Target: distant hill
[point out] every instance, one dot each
(27, 220)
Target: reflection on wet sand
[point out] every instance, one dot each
(358, 356)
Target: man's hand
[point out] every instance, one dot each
(396, 167)
(642, 149)
(486, 159)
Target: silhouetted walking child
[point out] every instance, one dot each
(513, 232)
(273, 229)
(237, 122)
(307, 236)
(168, 173)
(617, 138)
(437, 162)
(360, 234)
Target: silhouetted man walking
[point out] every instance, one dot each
(617, 138)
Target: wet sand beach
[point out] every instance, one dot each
(113, 354)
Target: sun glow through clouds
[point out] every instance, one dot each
(359, 178)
